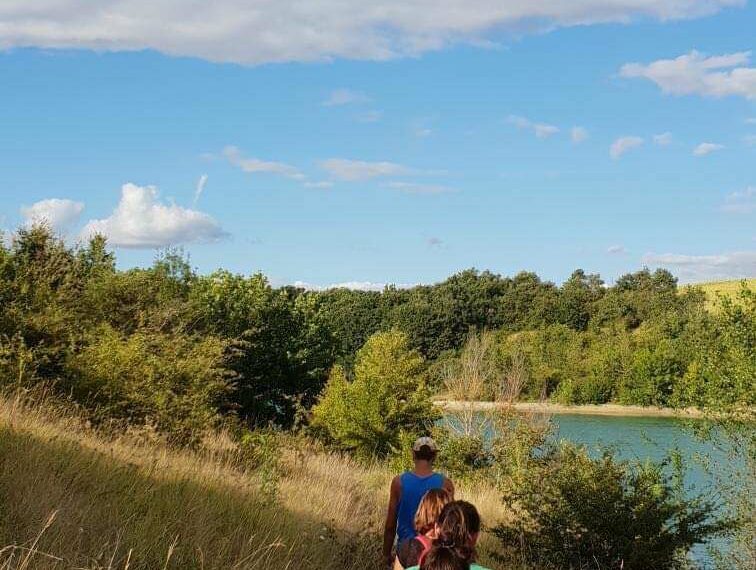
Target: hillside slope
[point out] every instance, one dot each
(728, 288)
(71, 499)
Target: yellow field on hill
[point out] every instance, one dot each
(728, 288)
(71, 499)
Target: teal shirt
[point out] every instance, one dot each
(472, 567)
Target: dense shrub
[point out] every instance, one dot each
(174, 382)
(581, 512)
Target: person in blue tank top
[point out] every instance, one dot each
(407, 491)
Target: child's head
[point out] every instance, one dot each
(457, 531)
(424, 449)
(459, 522)
(429, 510)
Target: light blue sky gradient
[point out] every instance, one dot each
(474, 190)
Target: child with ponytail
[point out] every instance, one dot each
(457, 532)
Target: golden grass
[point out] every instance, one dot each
(728, 288)
(71, 498)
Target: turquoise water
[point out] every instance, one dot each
(640, 438)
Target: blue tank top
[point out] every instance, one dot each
(414, 488)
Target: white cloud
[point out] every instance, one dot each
(416, 188)
(707, 148)
(663, 139)
(749, 140)
(200, 188)
(624, 144)
(578, 134)
(750, 121)
(741, 202)
(255, 165)
(59, 214)
(341, 97)
(692, 268)
(265, 31)
(541, 130)
(354, 285)
(353, 170)
(698, 74)
(616, 249)
(141, 221)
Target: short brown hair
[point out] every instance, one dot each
(430, 507)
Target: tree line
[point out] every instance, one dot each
(168, 346)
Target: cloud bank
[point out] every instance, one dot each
(265, 31)
(354, 285)
(693, 268)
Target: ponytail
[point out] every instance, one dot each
(453, 548)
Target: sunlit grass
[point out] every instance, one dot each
(714, 289)
(72, 498)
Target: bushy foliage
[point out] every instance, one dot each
(173, 382)
(282, 350)
(386, 399)
(581, 512)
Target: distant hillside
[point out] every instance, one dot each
(729, 288)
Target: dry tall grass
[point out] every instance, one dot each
(727, 288)
(71, 498)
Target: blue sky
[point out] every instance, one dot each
(391, 147)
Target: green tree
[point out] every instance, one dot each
(385, 402)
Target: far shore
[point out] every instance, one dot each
(617, 410)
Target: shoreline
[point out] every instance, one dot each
(616, 410)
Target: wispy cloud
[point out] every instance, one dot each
(256, 165)
(541, 130)
(707, 148)
(319, 184)
(616, 250)
(741, 202)
(200, 188)
(698, 74)
(340, 97)
(355, 170)
(141, 220)
(692, 268)
(369, 116)
(435, 242)
(663, 139)
(578, 134)
(417, 188)
(623, 144)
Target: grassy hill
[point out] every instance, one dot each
(70, 498)
(728, 288)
